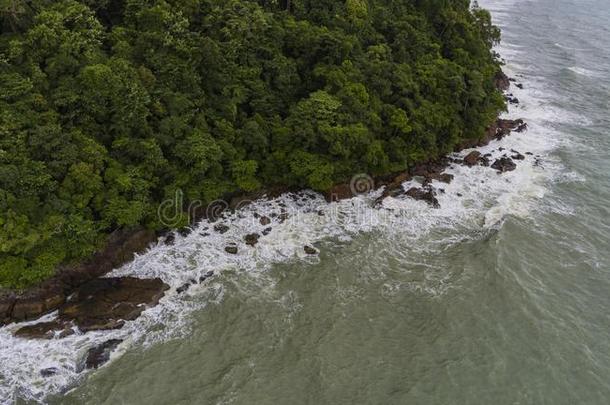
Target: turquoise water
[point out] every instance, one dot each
(501, 296)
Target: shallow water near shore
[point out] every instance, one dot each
(501, 295)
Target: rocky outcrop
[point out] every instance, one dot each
(472, 159)
(52, 293)
(501, 81)
(100, 304)
(504, 164)
(424, 194)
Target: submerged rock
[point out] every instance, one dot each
(264, 221)
(99, 355)
(48, 372)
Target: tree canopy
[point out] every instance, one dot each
(109, 107)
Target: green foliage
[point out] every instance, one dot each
(108, 108)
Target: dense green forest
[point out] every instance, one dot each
(108, 107)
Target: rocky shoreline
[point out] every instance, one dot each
(87, 302)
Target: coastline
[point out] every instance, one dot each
(122, 245)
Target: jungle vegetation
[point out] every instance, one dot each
(109, 107)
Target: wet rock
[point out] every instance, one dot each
(529, 153)
(459, 194)
(472, 159)
(183, 288)
(504, 165)
(45, 330)
(99, 355)
(106, 303)
(339, 192)
(232, 249)
(501, 81)
(206, 276)
(310, 250)
(267, 231)
(185, 231)
(521, 127)
(321, 213)
(48, 372)
(39, 302)
(283, 217)
(443, 177)
(251, 239)
(170, 239)
(264, 221)
(518, 156)
(424, 194)
(221, 228)
(519, 85)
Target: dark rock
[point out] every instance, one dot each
(521, 128)
(321, 213)
(424, 194)
(310, 250)
(252, 239)
(39, 302)
(472, 159)
(529, 153)
(446, 178)
(99, 355)
(185, 231)
(283, 217)
(221, 228)
(264, 221)
(48, 372)
(459, 194)
(267, 231)
(183, 288)
(504, 165)
(106, 303)
(206, 276)
(339, 192)
(231, 249)
(501, 81)
(45, 330)
(519, 85)
(48, 296)
(170, 239)
(518, 156)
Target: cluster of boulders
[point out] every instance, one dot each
(427, 172)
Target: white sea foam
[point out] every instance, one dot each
(584, 72)
(487, 198)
